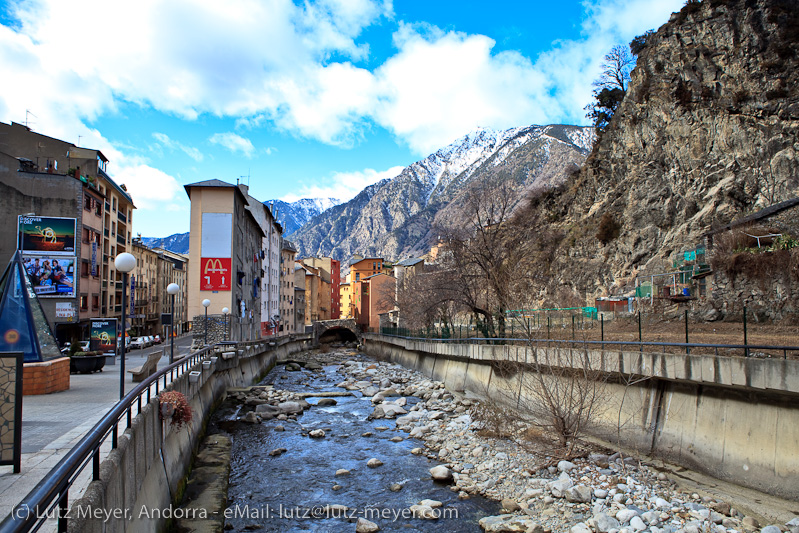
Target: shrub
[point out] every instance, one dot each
(608, 229)
(175, 402)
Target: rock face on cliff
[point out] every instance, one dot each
(393, 218)
(708, 131)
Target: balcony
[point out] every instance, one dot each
(106, 232)
(122, 218)
(120, 239)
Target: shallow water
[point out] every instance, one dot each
(289, 492)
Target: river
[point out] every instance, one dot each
(298, 490)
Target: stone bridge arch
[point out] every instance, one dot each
(343, 330)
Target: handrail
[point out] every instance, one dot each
(49, 498)
(688, 345)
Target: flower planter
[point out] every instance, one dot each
(194, 376)
(207, 365)
(86, 364)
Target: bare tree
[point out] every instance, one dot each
(616, 68)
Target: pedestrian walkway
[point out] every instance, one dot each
(52, 424)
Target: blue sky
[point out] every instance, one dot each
(309, 99)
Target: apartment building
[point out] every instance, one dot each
(50, 181)
(288, 317)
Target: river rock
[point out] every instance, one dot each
(365, 526)
(251, 418)
(625, 515)
(604, 523)
(578, 493)
(277, 451)
(559, 486)
(395, 487)
(326, 402)
(508, 523)
(441, 473)
(388, 410)
(431, 503)
(771, 529)
(566, 466)
(417, 451)
(293, 408)
(342, 472)
(374, 463)
(510, 505)
(316, 433)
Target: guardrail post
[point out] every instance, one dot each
(746, 350)
(687, 348)
(602, 328)
(640, 337)
(63, 511)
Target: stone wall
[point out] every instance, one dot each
(775, 298)
(216, 329)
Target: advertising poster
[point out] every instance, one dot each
(52, 276)
(46, 235)
(215, 274)
(104, 335)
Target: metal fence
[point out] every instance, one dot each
(50, 498)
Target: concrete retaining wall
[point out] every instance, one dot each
(736, 419)
(140, 479)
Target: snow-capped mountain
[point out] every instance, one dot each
(393, 217)
(178, 243)
(293, 215)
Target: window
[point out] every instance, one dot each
(87, 202)
(84, 302)
(357, 276)
(86, 235)
(95, 302)
(84, 269)
(113, 204)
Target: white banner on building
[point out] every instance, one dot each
(217, 235)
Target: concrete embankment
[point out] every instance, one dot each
(143, 477)
(736, 419)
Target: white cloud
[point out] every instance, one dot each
(343, 185)
(277, 63)
(191, 151)
(233, 142)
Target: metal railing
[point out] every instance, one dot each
(50, 498)
(574, 343)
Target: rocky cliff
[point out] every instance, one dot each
(708, 131)
(393, 218)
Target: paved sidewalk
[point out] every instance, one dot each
(52, 424)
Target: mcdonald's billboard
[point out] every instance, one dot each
(215, 274)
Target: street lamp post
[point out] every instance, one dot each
(172, 289)
(206, 303)
(225, 312)
(124, 263)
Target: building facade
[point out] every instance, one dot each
(288, 317)
(47, 178)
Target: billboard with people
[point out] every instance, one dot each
(51, 276)
(46, 235)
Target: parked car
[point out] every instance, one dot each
(150, 340)
(157, 339)
(138, 342)
(127, 343)
(83, 347)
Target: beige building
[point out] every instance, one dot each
(288, 322)
(226, 263)
(173, 268)
(143, 292)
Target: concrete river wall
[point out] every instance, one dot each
(141, 479)
(734, 418)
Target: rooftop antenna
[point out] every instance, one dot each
(79, 138)
(27, 114)
(247, 176)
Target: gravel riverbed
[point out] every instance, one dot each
(596, 493)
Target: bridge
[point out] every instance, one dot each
(341, 330)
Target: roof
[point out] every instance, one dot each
(119, 189)
(375, 275)
(356, 261)
(763, 213)
(214, 183)
(288, 245)
(409, 262)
